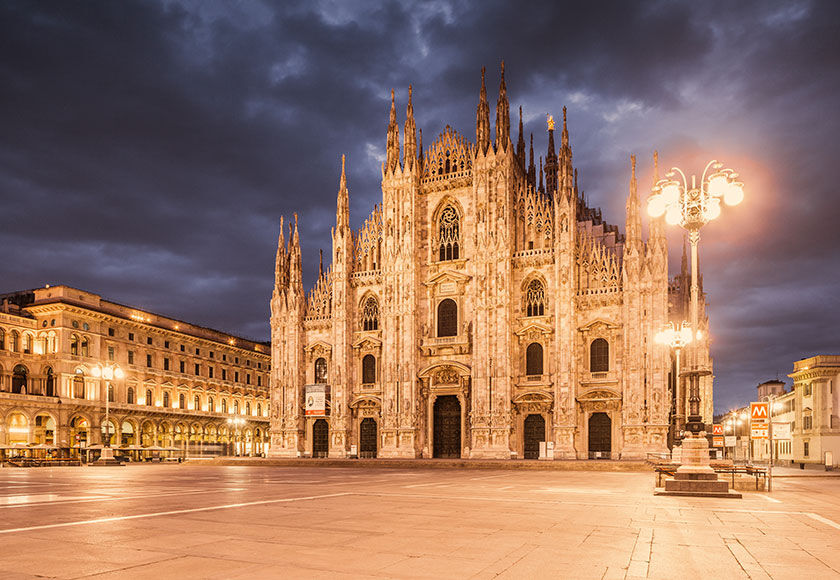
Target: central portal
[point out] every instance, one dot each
(320, 438)
(534, 435)
(367, 438)
(447, 427)
(600, 436)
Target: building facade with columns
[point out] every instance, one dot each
(481, 309)
(182, 387)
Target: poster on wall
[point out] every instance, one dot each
(315, 401)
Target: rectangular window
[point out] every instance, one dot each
(182, 348)
(110, 332)
(131, 357)
(806, 422)
(149, 360)
(110, 353)
(259, 380)
(211, 354)
(197, 352)
(224, 374)
(165, 344)
(248, 363)
(224, 357)
(807, 390)
(248, 379)
(210, 372)
(806, 449)
(237, 360)
(130, 336)
(236, 376)
(259, 365)
(166, 364)
(148, 340)
(182, 367)
(197, 368)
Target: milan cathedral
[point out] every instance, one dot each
(483, 310)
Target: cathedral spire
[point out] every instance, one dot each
(657, 231)
(295, 263)
(564, 136)
(540, 188)
(532, 171)
(280, 274)
(502, 115)
(520, 143)
(410, 154)
(393, 146)
(634, 219)
(342, 212)
(550, 160)
(321, 263)
(482, 120)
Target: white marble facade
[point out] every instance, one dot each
(480, 309)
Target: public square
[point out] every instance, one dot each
(209, 521)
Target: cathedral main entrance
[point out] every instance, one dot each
(447, 427)
(534, 433)
(600, 436)
(367, 438)
(320, 438)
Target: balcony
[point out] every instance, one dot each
(446, 345)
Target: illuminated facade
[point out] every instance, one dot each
(184, 388)
(482, 309)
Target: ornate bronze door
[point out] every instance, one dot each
(600, 436)
(367, 438)
(320, 438)
(534, 434)
(447, 428)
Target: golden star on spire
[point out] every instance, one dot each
(550, 123)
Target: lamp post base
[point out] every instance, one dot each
(107, 458)
(695, 477)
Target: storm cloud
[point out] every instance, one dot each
(147, 149)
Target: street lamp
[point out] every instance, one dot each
(676, 337)
(692, 207)
(235, 423)
(109, 373)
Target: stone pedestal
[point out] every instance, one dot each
(106, 458)
(695, 477)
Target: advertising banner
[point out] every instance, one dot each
(781, 431)
(315, 400)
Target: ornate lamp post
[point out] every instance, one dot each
(236, 423)
(676, 337)
(109, 373)
(692, 207)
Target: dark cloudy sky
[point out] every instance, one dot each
(148, 148)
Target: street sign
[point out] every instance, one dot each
(717, 429)
(760, 412)
(730, 440)
(759, 432)
(717, 441)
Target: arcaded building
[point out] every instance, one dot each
(181, 389)
(482, 309)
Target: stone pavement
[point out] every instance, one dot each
(169, 521)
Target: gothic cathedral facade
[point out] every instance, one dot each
(477, 313)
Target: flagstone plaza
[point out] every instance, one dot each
(206, 521)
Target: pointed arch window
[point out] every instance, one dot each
(321, 371)
(259, 409)
(129, 396)
(368, 369)
(224, 405)
(197, 403)
(149, 398)
(247, 408)
(74, 345)
(166, 399)
(85, 346)
(370, 314)
(447, 318)
(599, 356)
(211, 405)
(182, 401)
(449, 234)
(535, 299)
(534, 359)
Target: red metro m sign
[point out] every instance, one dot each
(760, 412)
